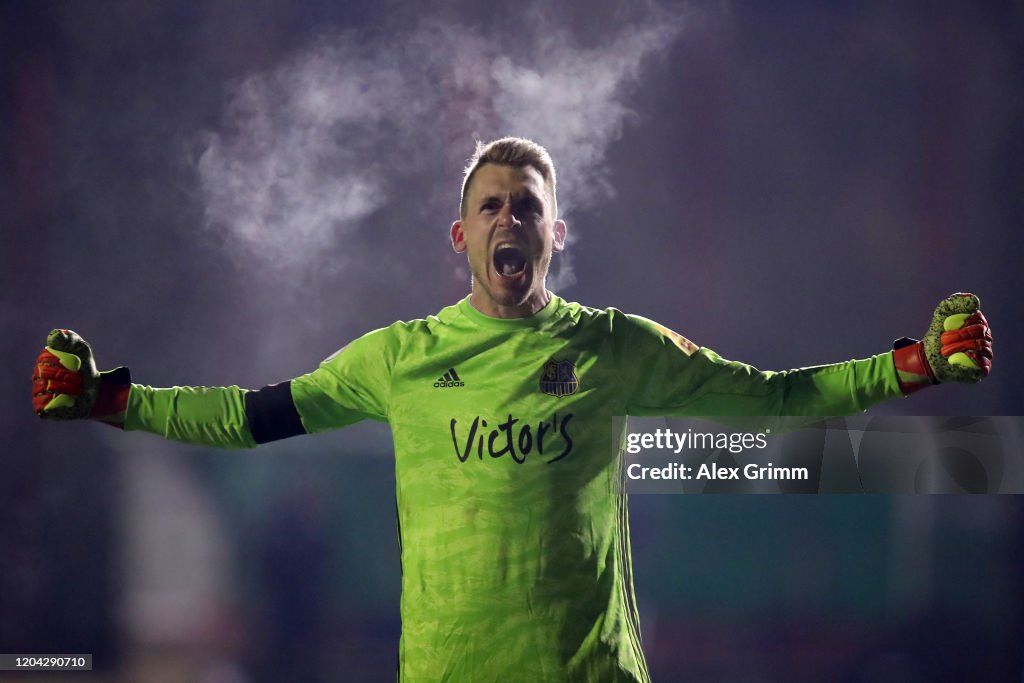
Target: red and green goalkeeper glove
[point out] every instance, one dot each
(67, 386)
(956, 348)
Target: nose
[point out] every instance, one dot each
(505, 217)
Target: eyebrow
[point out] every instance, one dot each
(527, 195)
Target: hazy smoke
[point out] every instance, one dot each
(310, 149)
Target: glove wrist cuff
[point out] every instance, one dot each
(912, 368)
(112, 400)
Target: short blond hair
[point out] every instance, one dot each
(510, 151)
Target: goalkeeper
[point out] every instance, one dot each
(515, 545)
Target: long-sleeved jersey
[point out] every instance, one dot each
(514, 537)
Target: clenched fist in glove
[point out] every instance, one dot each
(956, 348)
(67, 386)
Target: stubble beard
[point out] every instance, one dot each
(510, 297)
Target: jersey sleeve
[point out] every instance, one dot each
(352, 384)
(676, 377)
(209, 416)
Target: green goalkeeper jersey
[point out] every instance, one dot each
(513, 529)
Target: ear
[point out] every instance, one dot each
(458, 238)
(558, 243)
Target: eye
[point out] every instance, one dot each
(531, 206)
(490, 205)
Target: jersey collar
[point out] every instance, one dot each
(535, 320)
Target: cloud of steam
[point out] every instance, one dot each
(310, 149)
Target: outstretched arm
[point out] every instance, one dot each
(699, 382)
(66, 385)
(224, 417)
(352, 385)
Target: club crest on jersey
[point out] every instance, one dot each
(558, 378)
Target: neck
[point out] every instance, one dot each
(530, 306)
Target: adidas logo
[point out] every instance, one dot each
(449, 379)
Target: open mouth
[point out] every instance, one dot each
(509, 260)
